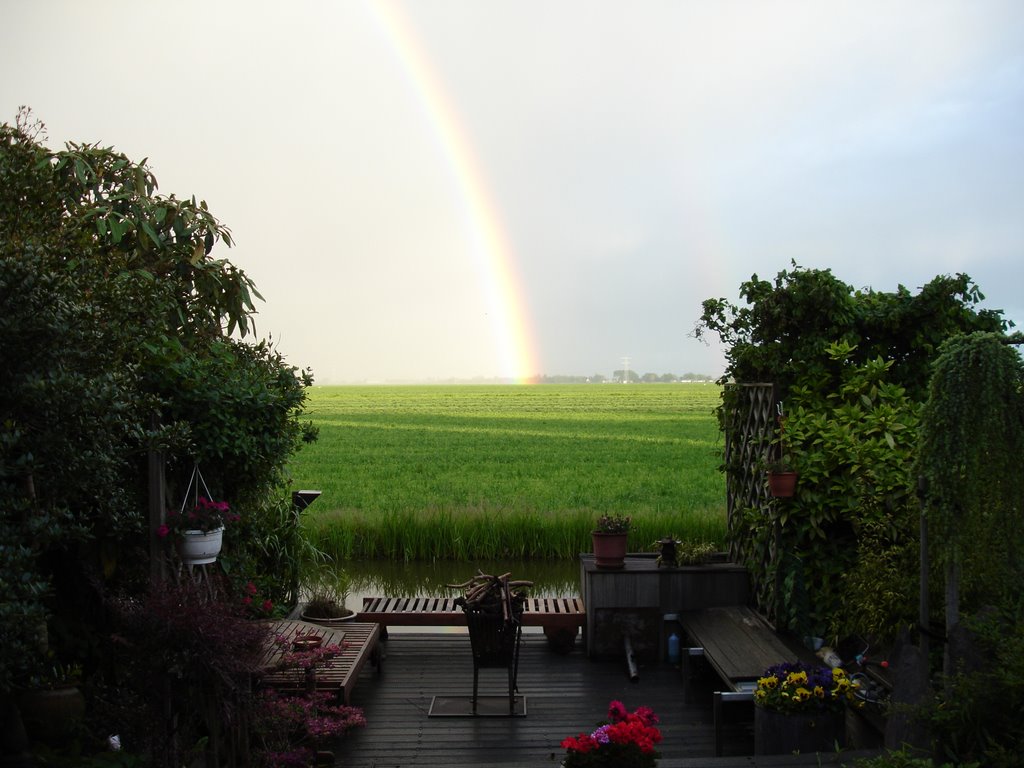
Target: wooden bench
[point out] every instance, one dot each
(561, 617)
(739, 645)
(358, 642)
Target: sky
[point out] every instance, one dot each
(425, 190)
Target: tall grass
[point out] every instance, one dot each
(423, 473)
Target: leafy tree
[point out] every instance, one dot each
(785, 329)
(112, 309)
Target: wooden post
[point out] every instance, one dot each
(157, 510)
(922, 599)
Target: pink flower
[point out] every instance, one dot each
(616, 711)
(162, 531)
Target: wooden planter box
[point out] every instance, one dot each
(634, 600)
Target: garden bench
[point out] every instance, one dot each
(739, 645)
(339, 674)
(559, 616)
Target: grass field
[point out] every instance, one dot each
(426, 472)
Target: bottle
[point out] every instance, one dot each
(673, 648)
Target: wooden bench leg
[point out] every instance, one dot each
(561, 639)
(716, 708)
(686, 670)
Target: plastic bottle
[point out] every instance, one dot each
(673, 648)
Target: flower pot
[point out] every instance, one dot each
(199, 547)
(609, 550)
(783, 733)
(328, 621)
(51, 715)
(782, 484)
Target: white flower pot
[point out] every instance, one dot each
(199, 548)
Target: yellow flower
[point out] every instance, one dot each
(768, 683)
(797, 678)
(819, 692)
(802, 694)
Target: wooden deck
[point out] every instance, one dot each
(565, 695)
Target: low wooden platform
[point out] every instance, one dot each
(567, 694)
(736, 642)
(547, 612)
(739, 645)
(358, 642)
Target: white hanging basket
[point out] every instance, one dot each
(199, 547)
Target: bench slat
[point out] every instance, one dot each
(441, 611)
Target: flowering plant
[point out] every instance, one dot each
(627, 740)
(613, 524)
(799, 687)
(292, 727)
(205, 516)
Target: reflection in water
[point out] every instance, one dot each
(397, 579)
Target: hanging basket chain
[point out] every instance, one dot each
(194, 482)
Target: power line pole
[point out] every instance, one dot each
(625, 372)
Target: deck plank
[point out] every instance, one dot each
(566, 694)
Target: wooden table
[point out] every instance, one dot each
(358, 642)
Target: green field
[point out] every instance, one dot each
(426, 472)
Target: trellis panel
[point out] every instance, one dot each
(749, 428)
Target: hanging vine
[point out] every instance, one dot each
(972, 440)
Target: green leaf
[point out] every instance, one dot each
(148, 229)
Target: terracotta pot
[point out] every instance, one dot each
(609, 550)
(199, 548)
(783, 733)
(782, 484)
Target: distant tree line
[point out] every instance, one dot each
(624, 377)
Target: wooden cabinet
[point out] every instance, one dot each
(633, 600)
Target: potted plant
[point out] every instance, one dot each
(781, 474)
(801, 707)
(198, 532)
(782, 479)
(53, 706)
(327, 591)
(610, 538)
(625, 740)
(667, 548)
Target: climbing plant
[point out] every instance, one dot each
(854, 511)
(849, 367)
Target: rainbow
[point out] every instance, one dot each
(490, 249)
